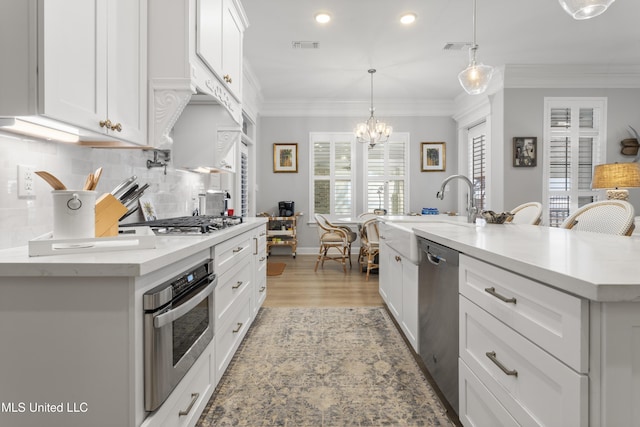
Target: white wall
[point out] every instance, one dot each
(25, 219)
(523, 116)
(274, 187)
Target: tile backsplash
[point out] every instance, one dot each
(22, 219)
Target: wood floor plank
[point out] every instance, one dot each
(300, 286)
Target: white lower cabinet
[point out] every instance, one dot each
(524, 351)
(260, 270)
(231, 331)
(398, 282)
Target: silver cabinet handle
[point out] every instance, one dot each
(264, 233)
(237, 285)
(236, 330)
(255, 239)
(263, 288)
(194, 399)
(492, 356)
(238, 249)
(492, 291)
(262, 258)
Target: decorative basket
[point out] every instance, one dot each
(496, 218)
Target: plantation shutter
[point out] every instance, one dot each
(386, 176)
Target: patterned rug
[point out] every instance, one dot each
(321, 367)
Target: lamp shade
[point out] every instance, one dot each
(616, 175)
(585, 9)
(475, 78)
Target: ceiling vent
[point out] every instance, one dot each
(457, 45)
(305, 45)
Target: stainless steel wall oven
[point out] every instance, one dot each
(178, 326)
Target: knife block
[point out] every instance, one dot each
(109, 210)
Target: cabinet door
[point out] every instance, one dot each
(410, 319)
(73, 55)
(232, 34)
(127, 71)
(395, 286)
(209, 33)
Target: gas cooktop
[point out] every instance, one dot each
(188, 225)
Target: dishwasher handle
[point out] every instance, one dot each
(435, 259)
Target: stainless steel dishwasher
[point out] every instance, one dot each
(438, 316)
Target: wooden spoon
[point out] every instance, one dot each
(51, 180)
(88, 183)
(96, 178)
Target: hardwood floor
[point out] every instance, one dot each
(300, 286)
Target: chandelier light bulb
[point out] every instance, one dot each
(585, 9)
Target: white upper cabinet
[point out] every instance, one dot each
(78, 65)
(219, 35)
(195, 47)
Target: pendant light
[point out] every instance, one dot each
(372, 131)
(476, 77)
(585, 9)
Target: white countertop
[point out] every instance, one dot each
(595, 266)
(138, 262)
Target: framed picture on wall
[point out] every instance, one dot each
(285, 157)
(432, 157)
(525, 151)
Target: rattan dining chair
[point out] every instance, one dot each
(527, 213)
(370, 245)
(336, 238)
(606, 216)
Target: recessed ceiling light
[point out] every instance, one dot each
(408, 18)
(322, 17)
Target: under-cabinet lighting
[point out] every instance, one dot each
(32, 129)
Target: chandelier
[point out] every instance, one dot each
(372, 131)
(476, 77)
(585, 9)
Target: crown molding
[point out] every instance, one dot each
(572, 76)
(333, 108)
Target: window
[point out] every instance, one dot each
(574, 143)
(478, 164)
(386, 176)
(333, 176)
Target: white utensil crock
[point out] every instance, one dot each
(74, 214)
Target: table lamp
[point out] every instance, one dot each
(615, 177)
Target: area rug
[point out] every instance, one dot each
(275, 268)
(321, 367)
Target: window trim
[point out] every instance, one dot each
(331, 138)
(407, 176)
(599, 153)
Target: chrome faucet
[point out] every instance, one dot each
(472, 211)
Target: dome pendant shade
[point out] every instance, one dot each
(475, 78)
(585, 9)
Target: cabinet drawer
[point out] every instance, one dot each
(230, 285)
(534, 387)
(194, 397)
(227, 253)
(229, 336)
(554, 320)
(478, 407)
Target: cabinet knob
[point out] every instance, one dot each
(105, 124)
(227, 78)
(117, 127)
(398, 259)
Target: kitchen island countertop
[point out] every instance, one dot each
(595, 266)
(16, 262)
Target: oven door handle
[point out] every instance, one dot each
(171, 315)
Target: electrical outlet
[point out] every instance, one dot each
(26, 181)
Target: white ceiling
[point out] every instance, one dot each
(410, 61)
